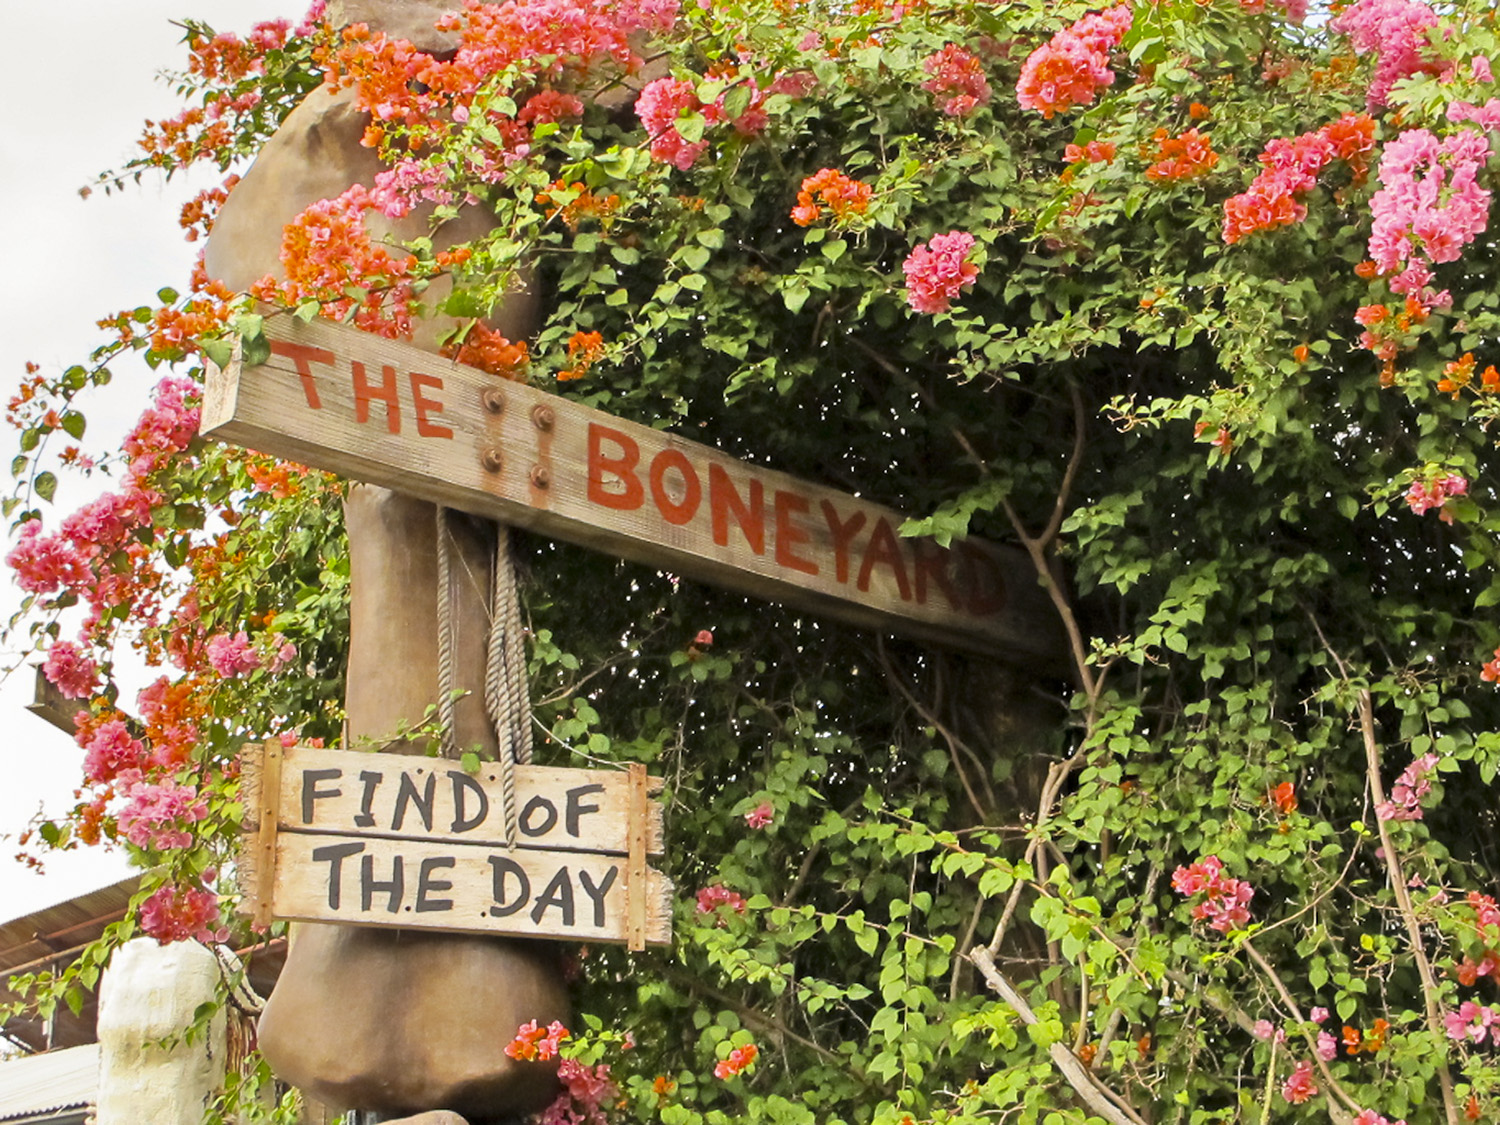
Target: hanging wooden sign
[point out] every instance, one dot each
(385, 412)
(397, 840)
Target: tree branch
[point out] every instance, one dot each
(1097, 1096)
(1403, 903)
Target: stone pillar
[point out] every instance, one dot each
(149, 993)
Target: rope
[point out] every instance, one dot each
(447, 677)
(506, 694)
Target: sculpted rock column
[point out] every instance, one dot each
(388, 1020)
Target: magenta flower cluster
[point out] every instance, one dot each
(1429, 207)
(1414, 783)
(1396, 32)
(937, 270)
(957, 79)
(1226, 900)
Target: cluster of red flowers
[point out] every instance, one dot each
(664, 104)
(844, 197)
(1095, 152)
(1433, 493)
(957, 79)
(584, 350)
(1189, 156)
(536, 1043)
(179, 913)
(491, 352)
(739, 1059)
(1289, 170)
(1460, 373)
(1386, 332)
(1225, 903)
(586, 1091)
(717, 895)
(1074, 65)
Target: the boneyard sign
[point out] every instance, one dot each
(387, 413)
(415, 842)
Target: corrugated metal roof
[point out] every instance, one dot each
(58, 1080)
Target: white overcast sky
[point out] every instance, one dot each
(78, 82)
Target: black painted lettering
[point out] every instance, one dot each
(548, 809)
(311, 792)
(334, 855)
(462, 784)
(559, 893)
(407, 795)
(425, 883)
(371, 779)
(500, 867)
(576, 807)
(597, 893)
(393, 887)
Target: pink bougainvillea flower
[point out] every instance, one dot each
(937, 270)
(713, 897)
(232, 656)
(761, 815)
(957, 79)
(1415, 782)
(1300, 1086)
(71, 670)
(179, 913)
(1225, 903)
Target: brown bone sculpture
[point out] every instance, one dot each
(388, 1020)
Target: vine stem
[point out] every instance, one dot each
(1099, 1097)
(1333, 1086)
(1403, 902)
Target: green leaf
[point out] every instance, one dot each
(45, 485)
(469, 762)
(74, 424)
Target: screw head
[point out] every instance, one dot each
(540, 476)
(493, 399)
(542, 418)
(492, 460)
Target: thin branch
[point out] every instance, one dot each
(1279, 985)
(1403, 903)
(1096, 1095)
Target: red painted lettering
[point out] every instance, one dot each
(724, 501)
(789, 535)
(426, 427)
(364, 394)
(932, 565)
(692, 491)
(843, 535)
(983, 580)
(883, 548)
(304, 356)
(621, 468)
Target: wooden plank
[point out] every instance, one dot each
(636, 871)
(403, 796)
(436, 885)
(260, 787)
(383, 411)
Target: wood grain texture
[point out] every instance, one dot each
(385, 412)
(435, 885)
(404, 796)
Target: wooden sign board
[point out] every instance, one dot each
(381, 411)
(397, 840)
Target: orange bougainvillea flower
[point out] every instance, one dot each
(491, 352)
(584, 350)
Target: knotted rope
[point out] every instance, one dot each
(507, 698)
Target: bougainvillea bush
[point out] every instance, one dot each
(1196, 302)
